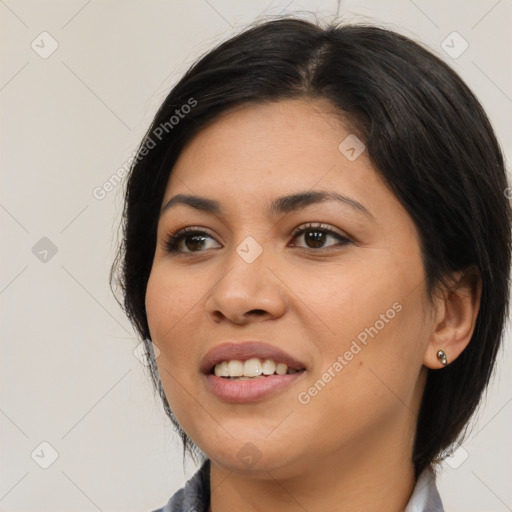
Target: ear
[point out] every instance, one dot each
(456, 311)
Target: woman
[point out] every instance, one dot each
(317, 240)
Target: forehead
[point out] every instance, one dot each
(288, 124)
(292, 140)
(256, 153)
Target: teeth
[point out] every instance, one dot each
(251, 368)
(269, 367)
(281, 369)
(221, 370)
(235, 368)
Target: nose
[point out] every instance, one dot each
(246, 292)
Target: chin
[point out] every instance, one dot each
(255, 456)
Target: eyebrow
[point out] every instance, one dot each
(281, 205)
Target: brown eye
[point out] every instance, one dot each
(316, 236)
(188, 240)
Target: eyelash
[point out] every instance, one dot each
(172, 242)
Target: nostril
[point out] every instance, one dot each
(258, 312)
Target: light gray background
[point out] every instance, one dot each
(69, 122)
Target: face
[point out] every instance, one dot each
(336, 284)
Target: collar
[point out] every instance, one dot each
(425, 496)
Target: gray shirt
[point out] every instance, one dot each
(195, 495)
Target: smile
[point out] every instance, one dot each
(249, 389)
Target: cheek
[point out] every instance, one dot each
(168, 301)
(169, 297)
(382, 360)
(159, 308)
(372, 335)
(350, 301)
(362, 388)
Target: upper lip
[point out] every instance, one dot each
(246, 350)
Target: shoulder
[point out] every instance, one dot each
(194, 496)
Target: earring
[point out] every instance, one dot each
(442, 357)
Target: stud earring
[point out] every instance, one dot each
(442, 357)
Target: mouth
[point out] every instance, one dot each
(249, 371)
(242, 390)
(252, 368)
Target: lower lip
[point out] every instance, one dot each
(242, 391)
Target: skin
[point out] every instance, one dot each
(352, 443)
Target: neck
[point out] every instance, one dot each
(375, 477)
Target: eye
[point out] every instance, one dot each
(315, 236)
(193, 238)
